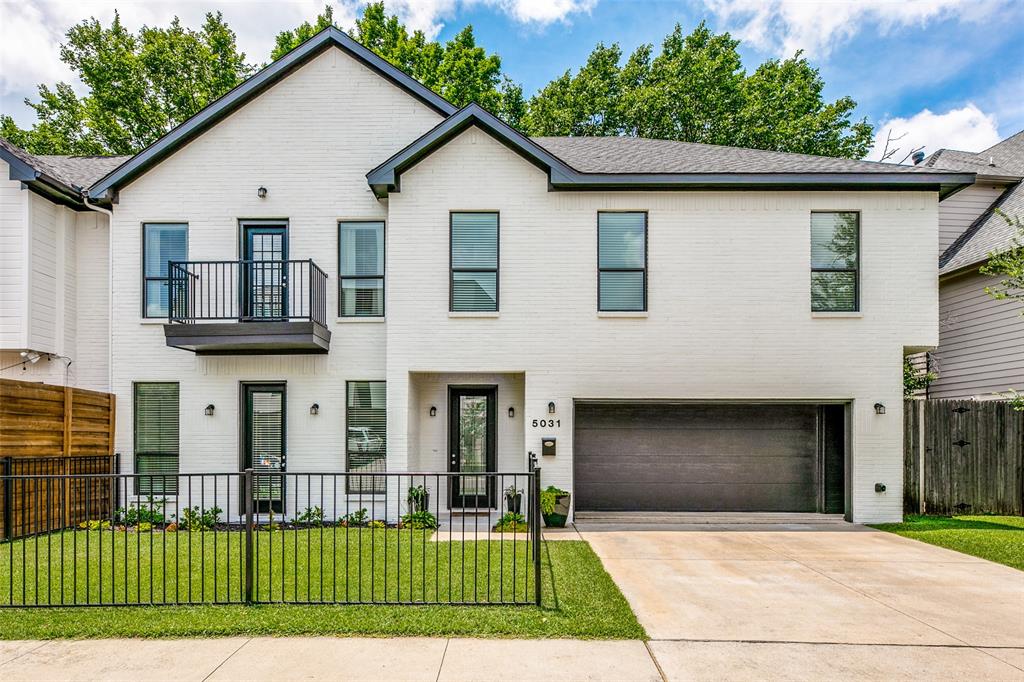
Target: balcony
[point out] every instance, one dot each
(247, 307)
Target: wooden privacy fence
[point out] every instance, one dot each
(963, 457)
(46, 431)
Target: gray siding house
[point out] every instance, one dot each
(981, 340)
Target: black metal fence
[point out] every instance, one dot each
(292, 538)
(247, 290)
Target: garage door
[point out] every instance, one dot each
(659, 457)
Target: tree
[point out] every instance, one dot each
(696, 90)
(139, 86)
(915, 380)
(1008, 265)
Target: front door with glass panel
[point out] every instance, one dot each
(264, 272)
(471, 441)
(263, 410)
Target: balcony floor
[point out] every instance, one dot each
(249, 338)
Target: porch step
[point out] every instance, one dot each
(708, 518)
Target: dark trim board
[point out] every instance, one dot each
(249, 338)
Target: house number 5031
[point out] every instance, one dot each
(545, 423)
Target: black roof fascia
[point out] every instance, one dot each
(226, 104)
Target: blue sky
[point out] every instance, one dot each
(945, 72)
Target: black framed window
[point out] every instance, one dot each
(156, 438)
(474, 262)
(161, 243)
(361, 269)
(835, 261)
(622, 261)
(366, 418)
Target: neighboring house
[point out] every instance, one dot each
(54, 251)
(981, 339)
(363, 277)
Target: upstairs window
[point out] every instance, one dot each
(156, 438)
(361, 269)
(161, 243)
(835, 260)
(474, 262)
(622, 262)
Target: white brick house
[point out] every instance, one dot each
(678, 365)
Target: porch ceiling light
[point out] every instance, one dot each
(879, 408)
(262, 192)
(314, 409)
(209, 410)
(551, 408)
(433, 411)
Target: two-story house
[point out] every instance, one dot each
(331, 268)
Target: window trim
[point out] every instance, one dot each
(348, 482)
(146, 279)
(856, 271)
(135, 437)
(644, 270)
(381, 276)
(497, 262)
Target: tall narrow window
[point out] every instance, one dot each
(474, 262)
(835, 260)
(622, 262)
(366, 438)
(161, 242)
(361, 269)
(156, 438)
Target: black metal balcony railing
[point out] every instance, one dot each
(247, 291)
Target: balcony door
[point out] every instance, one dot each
(264, 271)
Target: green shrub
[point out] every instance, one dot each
(356, 518)
(511, 523)
(94, 524)
(377, 523)
(313, 516)
(419, 520)
(150, 511)
(548, 497)
(194, 518)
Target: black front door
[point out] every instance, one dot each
(264, 272)
(263, 449)
(471, 439)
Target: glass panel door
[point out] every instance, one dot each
(265, 272)
(265, 450)
(472, 442)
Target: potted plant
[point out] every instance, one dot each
(514, 499)
(419, 498)
(554, 506)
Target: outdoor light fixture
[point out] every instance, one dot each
(879, 408)
(262, 192)
(30, 356)
(551, 408)
(511, 412)
(433, 411)
(209, 410)
(314, 409)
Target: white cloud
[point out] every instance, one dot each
(968, 129)
(785, 26)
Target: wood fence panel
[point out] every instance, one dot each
(973, 457)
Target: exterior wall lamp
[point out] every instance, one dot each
(262, 192)
(209, 410)
(511, 412)
(433, 411)
(551, 407)
(314, 409)
(879, 408)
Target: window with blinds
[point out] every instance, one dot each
(156, 438)
(622, 262)
(161, 242)
(835, 261)
(361, 269)
(366, 440)
(474, 262)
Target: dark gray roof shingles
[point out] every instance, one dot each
(75, 172)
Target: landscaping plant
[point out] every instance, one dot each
(419, 520)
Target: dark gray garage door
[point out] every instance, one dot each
(660, 457)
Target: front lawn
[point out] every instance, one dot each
(579, 600)
(996, 538)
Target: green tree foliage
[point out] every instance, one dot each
(915, 380)
(1008, 265)
(139, 86)
(696, 90)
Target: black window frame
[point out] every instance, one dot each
(381, 276)
(644, 269)
(378, 485)
(135, 443)
(146, 279)
(497, 262)
(854, 270)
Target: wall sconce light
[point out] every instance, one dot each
(433, 411)
(879, 408)
(209, 410)
(314, 409)
(551, 408)
(262, 192)
(511, 412)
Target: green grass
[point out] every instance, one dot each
(996, 538)
(579, 599)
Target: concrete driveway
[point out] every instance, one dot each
(806, 602)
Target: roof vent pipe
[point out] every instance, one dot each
(991, 160)
(918, 157)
